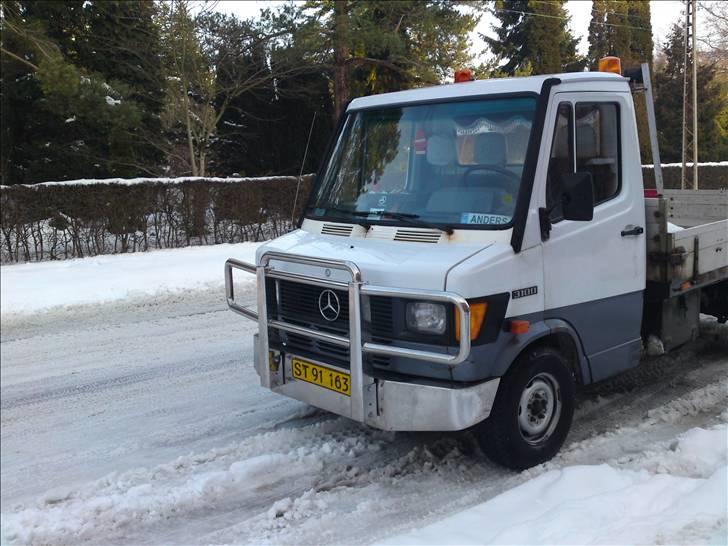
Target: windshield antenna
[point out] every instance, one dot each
(303, 163)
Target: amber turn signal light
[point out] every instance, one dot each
(477, 316)
(610, 64)
(464, 75)
(519, 326)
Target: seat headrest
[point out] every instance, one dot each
(490, 149)
(561, 145)
(586, 142)
(440, 150)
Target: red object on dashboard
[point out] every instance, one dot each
(420, 141)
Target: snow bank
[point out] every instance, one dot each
(604, 505)
(32, 287)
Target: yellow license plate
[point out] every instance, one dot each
(321, 376)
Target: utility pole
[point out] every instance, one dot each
(695, 95)
(690, 98)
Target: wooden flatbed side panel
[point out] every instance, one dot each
(712, 248)
(689, 208)
(656, 238)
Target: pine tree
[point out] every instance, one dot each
(641, 43)
(533, 36)
(123, 44)
(598, 41)
(669, 104)
(379, 46)
(61, 118)
(621, 28)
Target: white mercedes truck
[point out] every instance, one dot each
(472, 253)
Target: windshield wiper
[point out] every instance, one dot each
(414, 219)
(408, 217)
(355, 213)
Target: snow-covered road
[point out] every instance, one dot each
(143, 422)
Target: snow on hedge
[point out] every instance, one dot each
(161, 180)
(32, 287)
(706, 164)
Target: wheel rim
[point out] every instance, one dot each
(539, 409)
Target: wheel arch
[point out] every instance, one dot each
(560, 335)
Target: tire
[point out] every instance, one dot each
(532, 412)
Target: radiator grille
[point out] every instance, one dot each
(298, 303)
(381, 326)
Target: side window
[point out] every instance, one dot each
(561, 161)
(597, 147)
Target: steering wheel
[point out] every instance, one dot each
(509, 184)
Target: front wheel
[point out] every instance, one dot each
(532, 412)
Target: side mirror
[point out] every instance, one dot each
(577, 198)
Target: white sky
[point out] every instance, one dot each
(664, 14)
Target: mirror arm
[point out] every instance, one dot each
(544, 220)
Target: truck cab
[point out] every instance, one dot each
(470, 253)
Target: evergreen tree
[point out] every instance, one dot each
(533, 36)
(379, 46)
(123, 44)
(62, 118)
(266, 130)
(622, 28)
(641, 43)
(598, 41)
(669, 104)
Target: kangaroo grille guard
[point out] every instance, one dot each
(355, 288)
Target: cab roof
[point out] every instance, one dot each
(596, 81)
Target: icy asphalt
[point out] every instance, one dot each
(144, 423)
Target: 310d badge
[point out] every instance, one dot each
(523, 292)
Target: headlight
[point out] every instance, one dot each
(426, 317)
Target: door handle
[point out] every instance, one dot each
(632, 230)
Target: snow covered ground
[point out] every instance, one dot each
(32, 287)
(134, 416)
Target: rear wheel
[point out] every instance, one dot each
(532, 412)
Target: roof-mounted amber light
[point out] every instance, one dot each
(610, 64)
(464, 75)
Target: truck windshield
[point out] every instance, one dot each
(456, 164)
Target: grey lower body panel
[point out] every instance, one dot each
(609, 330)
(396, 405)
(606, 332)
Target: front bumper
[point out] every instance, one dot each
(384, 404)
(392, 405)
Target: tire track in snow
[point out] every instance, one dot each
(289, 486)
(343, 482)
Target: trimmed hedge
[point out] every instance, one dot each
(87, 218)
(59, 220)
(711, 176)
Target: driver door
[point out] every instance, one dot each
(594, 274)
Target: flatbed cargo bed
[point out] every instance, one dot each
(687, 238)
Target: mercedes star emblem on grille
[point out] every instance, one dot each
(329, 305)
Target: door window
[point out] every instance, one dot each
(595, 150)
(597, 146)
(561, 161)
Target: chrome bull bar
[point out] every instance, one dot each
(360, 383)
